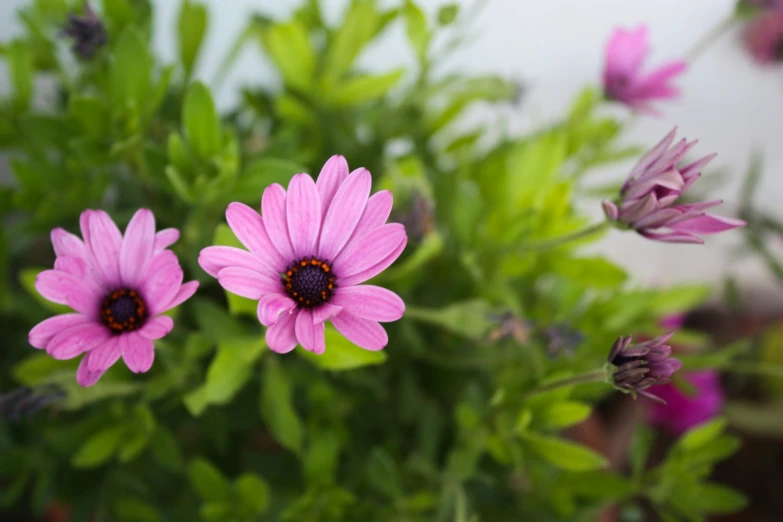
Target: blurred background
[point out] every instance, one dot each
(731, 104)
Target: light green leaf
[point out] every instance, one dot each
(99, 448)
(469, 318)
(27, 278)
(357, 29)
(702, 434)
(237, 305)
(200, 120)
(191, 25)
(589, 271)
(252, 492)
(208, 481)
(565, 454)
(532, 168)
(288, 45)
(20, 65)
(228, 373)
(714, 498)
(416, 28)
(678, 299)
(447, 14)
(363, 89)
(277, 407)
(131, 70)
(342, 354)
(261, 173)
(562, 414)
(178, 153)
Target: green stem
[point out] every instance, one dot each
(587, 377)
(556, 242)
(710, 37)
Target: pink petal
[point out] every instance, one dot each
(71, 265)
(162, 281)
(281, 336)
(651, 156)
(610, 209)
(364, 333)
(44, 331)
(157, 327)
(248, 226)
(104, 242)
(77, 339)
(370, 302)
(669, 179)
(309, 334)
(376, 269)
(137, 352)
(273, 212)
(672, 237)
(84, 226)
(303, 214)
(84, 376)
(67, 244)
(213, 259)
(248, 283)
(271, 306)
(184, 293)
(369, 250)
(707, 224)
(325, 312)
(693, 169)
(332, 175)
(375, 214)
(165, 238)
(64, 288)
(136, 247)
(344, 214)
(626, 51)
(662, 75)
(657, 218)
(103, 357)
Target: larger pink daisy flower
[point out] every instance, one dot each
(309, 251)
(118, 286)
(624, 79)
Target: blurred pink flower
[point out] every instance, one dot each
(624, 80)
(764, 36)
(683, 412)
(654, 185)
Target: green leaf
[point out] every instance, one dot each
(678, 299)
(430, 248)
(416, 28)
(363, 89)
(27, 278)
(252, 492)
(466, 210)
(702, 434)
(131, 70)
(261, 173)
(165, 449)
(447, 14)
(178, 183)
(564, 454)
(714, 498)
(562, 414)
(178, 153)
(139, 429)
(357, 29)
(91, 113)
(39, 368)
(99, 448)
(201, 122)
(469, 318)
(532, 168)
(342, 354)
(320, 460)
(288, 45)
(20, 65)
(192, 24)
(129, 509)
(277, 407)
(208, 481)
(237, 305)
(218, 326)
(228, 373)
(589, 271)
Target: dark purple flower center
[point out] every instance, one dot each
(123, 311)
(309, 282)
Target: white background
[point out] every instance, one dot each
(729, 103)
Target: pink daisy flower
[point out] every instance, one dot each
(118, 285)
(764, 36)
(683, 412)
(624, 80)
(309, 252)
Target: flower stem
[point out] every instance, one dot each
(556, 242)
(587, 377)
(710, 37)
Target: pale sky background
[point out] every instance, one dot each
(729, 103)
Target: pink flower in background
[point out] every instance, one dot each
(764, 36)
(682, 412)
(624, 80)
(309, 252)
(649, 194)
(118, 285)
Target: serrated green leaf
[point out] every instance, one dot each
(253, 492)
(288, 44)
(200, 121)
(99, 448)
(341, 354)
(277, 407)
(191, 25)
(363, 89)
(564, 454)
(208, 481)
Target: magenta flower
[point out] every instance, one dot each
(683, 412)
(309, 251)
(118, 286)
(638, 367)
(653, 187)
(764, 36)
(624, 80)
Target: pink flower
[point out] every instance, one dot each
(764, 36)
(624, 80)
(652, 188)
(118, 286)
(640, 366)
(309, 251)
(683, 412)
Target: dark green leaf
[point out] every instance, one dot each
(99, 448)
(277, 407)
(208, 481)
(252, 492)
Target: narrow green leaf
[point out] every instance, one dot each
(178, 183)
(191, 25)
(277, 407)
(288, 44)
(342, 354)
(363, 89)
(358, 28)
(208, 481)
(99, 448)
(416, 28)
(201, 122)
(565, 454)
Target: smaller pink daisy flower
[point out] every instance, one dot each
(118, 285)
(682, 412)
(624, 80)
(309, 252)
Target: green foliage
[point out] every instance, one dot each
(444, 424)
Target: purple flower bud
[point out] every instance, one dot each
(87, 32)
(641, 366)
